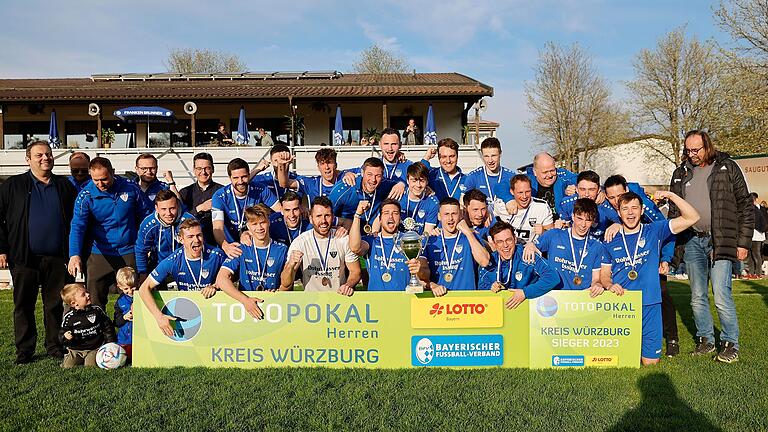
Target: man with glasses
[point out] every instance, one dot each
(78, 166)
(715, 186)
(146, 168)
(198, 196)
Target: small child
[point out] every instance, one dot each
(126, 281)
(85, 327)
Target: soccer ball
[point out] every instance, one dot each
(110, 356)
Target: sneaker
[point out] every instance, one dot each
(681, 276)
(728, 353)
(673, 348)
(703, 346)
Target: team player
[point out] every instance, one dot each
(486, 178)
(193, 268)
(78, 167)
(388, 268)
(323, 258)
(418, 210)
(313, 186)
(447, 180)
(588, 186)
(289, 222)
(158, 232)
(532, 216)
(229, 204)
(146, 169)
(453, 255)
(575, 255)
(371, 186)
(260, 265)
(506, 269)
(280, 158)
(634, 257)
(476, 213)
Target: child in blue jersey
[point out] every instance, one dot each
(447, 181)
(371, 187)
(125, 280)
(229, 204)
(260, 265)
(477, 215)
(388, 268)
(506, 269)
(287, 224)
(418, 212)
(635, 256)
(453, 256)
(157, 236)
(192, 268)
(487, 177)
(575, 256)
(588, 186)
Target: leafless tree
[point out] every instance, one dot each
(377, 60)
(194, 60)
(571, 105)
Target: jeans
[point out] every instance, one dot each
(700, 270)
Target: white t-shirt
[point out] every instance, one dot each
(538, 212)
(312, 269)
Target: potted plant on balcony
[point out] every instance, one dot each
(107, 137)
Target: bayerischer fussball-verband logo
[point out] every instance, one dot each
(188, 318)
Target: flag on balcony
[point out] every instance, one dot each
(338, 130)
(430, 135)
(53, 132)
(242, 129)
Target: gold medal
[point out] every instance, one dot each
(577, 280)
(409, 223)
(632, 274)
(449, 277)
(367, 228)
(326, 281)
(386, 277)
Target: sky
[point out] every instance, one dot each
(495, 42)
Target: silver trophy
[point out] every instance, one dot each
(411, 244)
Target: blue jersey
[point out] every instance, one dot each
(606, 216)
(480, 179)
(564, 179)
(423, 211)
(153, 188)
(454, 258)
(556, 244)
(260, 270)
(345, 199)
(122, 307)
(228, 207)
(648, 249)
(397, 171)
(445, 186)
(78, 186)
(109, 219)
(156, 240)
(391, 254)
(534, 279)
(279, 231)
(193, 274)
(268, 180)
(314, 186)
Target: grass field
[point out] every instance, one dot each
(683, 393)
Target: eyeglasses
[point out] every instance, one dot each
(145, 169)
(201, 169)
(693, 150)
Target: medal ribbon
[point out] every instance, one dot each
(445, 183)
(453, 251)
(323, 261)
(198, 281)
(261, 271)
(583, 252)
(387, 262)
(637, 244)
(240, 215)
(498, 272)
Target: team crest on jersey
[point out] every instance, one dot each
(398, 172)
(532, 221)
(204, 273)
(459, 248)
(641, 242)
(518, 276)
(152, 197)
(270, 262)
(422, 213)
(91, 318)
(333, 254)
(462, 187)
(124, 196)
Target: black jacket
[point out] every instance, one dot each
(14, 215)
(90, 327)
(733, 217)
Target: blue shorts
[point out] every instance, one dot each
(652, 331)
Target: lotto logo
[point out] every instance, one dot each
(465, 312)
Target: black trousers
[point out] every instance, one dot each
(668, 312)
(50, 274)
(101, 275)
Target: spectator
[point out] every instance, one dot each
(264, 138)
(412, 133)
(197, 197)
(223, 137)
(755, 257)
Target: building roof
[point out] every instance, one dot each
(241, 86)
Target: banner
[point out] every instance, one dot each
(370, 330)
